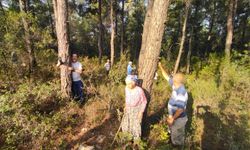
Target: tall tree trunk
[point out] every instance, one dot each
(152, 37)
(244, 28)
(211, 25)
(183, 36)
(189, 52)
(24, 4)
(61, 16)
(100, 36)
(169, 53)
(116, 17)
(112, 46)
(122, 29)
(230, 17)
(51, 20)
(195, 27)
(146, 26)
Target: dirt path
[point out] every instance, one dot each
(99, 136)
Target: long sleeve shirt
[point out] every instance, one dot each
(136, 97)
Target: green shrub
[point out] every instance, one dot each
(118, 71)
(224, 89)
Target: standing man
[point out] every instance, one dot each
(129, 68)
(177, 116)
(77, 85)
(107, 66)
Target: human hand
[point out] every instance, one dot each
(70, 68)
(59, 62)
(159, 64)
(170, 120)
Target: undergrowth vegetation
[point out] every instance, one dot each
(34, 116)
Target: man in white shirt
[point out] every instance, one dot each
(107, 66)
(77, 85)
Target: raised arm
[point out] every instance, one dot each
(164, 73)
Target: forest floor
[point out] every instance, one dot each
(102, 134)
(33, 115)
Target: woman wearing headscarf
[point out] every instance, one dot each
(135, 105)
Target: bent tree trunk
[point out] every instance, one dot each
(231, 8)
(151, 42)
(183, 36)
(112, 47)
(61, 16)
(28, 43)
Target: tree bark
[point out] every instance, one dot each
(51, 20)
(116, 17)
(229, 38)
(189, 52)
(211, 25)
(146, 26)
(244, 29)
(24, 4)
(195, 27)
(112, 46)
(61, 16)
(183, 36)
(169, 53)
(100, 36)
(152, 37)
(122, 29)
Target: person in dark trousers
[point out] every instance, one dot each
(77, 85)
(177, 116)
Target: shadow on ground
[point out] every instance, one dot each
(223, 131)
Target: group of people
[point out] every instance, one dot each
(136, 101)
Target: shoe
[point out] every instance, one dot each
(76, 98)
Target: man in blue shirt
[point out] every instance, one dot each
(177, 116)
(129, 68)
